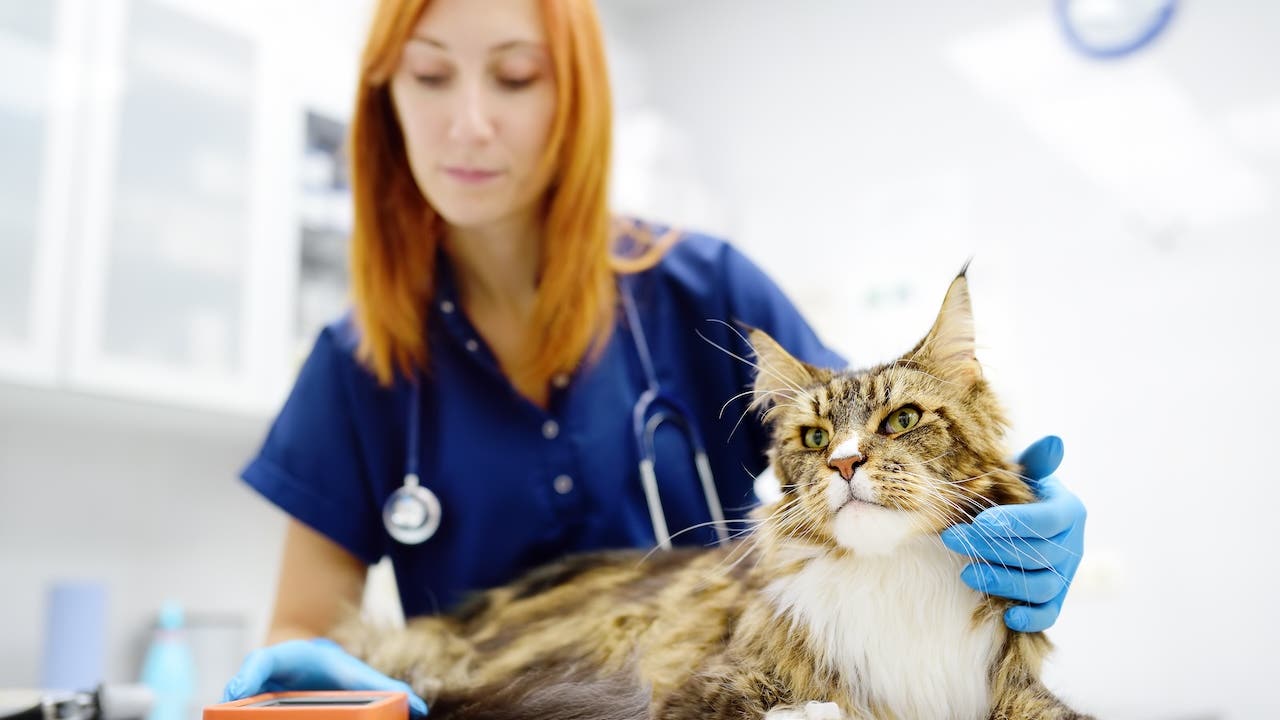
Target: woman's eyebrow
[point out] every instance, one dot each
(429, 41)
(506, 45)
(534, 44)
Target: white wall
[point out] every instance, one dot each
(142, 499)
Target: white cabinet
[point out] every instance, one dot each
(38, 54)
(168, 225)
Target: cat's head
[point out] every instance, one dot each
(869, 458)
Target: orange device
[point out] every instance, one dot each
(314, 705)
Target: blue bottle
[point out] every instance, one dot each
(169, 669)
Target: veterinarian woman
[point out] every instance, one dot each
(489, 351)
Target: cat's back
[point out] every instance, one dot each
(630, 575)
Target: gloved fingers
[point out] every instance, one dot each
(290, 665)
(1031, 586)
(1034, 618)
(318, 664)
(1042, 457)
(1015, 552)
(1056, 512)
(272, 686)
(253, 675)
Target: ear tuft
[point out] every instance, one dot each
(948, 349)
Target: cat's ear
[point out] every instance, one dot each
(948, 350)
(778, 374)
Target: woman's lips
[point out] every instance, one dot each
(471, 176)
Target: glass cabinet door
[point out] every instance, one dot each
(175, 154)
(37, 52)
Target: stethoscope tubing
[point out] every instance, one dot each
(652, 409)
(645, 426)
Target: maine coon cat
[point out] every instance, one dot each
(842, 602)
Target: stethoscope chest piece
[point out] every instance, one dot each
(412, 513)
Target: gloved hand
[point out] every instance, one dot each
(318, 664)
(1031, 551)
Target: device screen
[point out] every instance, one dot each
(312, 701)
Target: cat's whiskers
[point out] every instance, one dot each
(1010, 543)
(781, 514)
(1020, 476)
(785, 517)
(809, 527)
(938, 481)
(778, 406)
(930, 482)
(925, 462)
(764, 416)
(1028, 479)
(747, 521)
(1032, 532)
(754, 391)
(973, 554)
(787, 393)
(744, 549)
(931, 513)
(926, 484)
(759, 367)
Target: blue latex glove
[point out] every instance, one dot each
(1031, 551)
(319, 664)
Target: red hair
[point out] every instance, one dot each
(397, 233)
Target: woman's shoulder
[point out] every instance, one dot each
(342, 334)
(336, 342)
(334, 353)
(696, 250)
(704, 263)
(711, 278)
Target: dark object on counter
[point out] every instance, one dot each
(106, 702)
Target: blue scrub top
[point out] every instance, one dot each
(519, 485)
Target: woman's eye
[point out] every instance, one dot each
(815, 438)
(901, 420)
(431, 80)
(516, 83)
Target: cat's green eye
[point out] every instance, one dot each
(901, 420)
(816, 438)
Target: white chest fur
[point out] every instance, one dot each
(899, 628)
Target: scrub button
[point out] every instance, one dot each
(563, 484)
(446, 306)
(472, 345)
(550, 429)
(560, 380)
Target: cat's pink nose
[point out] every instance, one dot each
(846, 465)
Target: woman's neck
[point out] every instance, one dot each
(496, 273)
(496, 267)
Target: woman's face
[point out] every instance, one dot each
(475, 96)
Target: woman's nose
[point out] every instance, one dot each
(471, 121)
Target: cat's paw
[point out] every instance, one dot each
(812, 710)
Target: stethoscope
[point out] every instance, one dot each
(412, 512)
